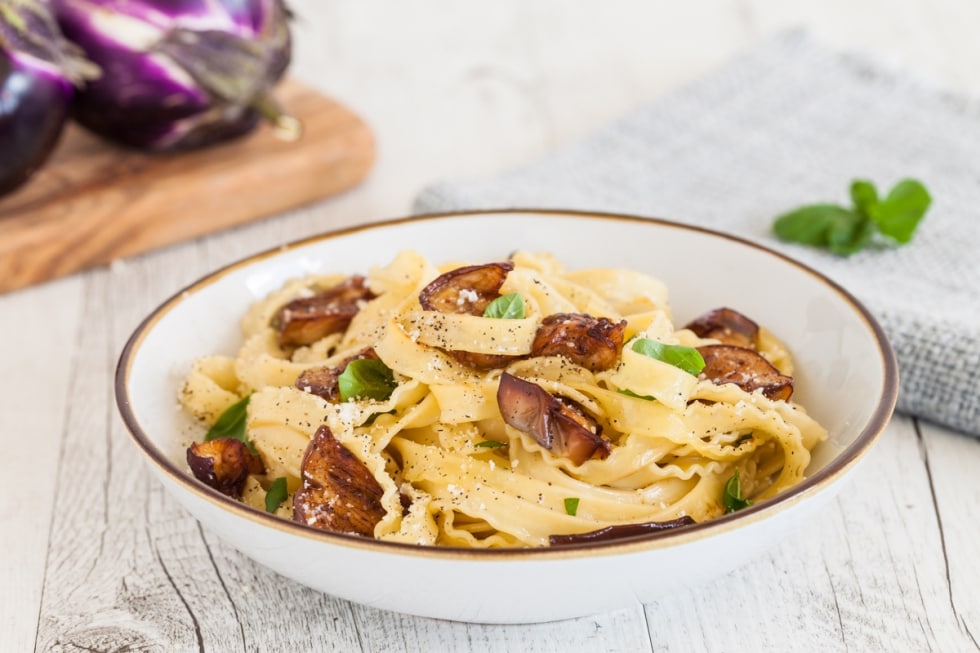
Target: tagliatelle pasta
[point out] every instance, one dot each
(450, 469)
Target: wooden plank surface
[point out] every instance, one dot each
(96, 557)
(94, 202)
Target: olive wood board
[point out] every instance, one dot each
(94, 202)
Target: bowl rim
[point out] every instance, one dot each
(843, 462)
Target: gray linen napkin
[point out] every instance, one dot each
(786, 124)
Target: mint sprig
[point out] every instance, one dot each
(845, 231)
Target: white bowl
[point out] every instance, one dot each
(847, 379)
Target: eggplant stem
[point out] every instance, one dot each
(285, 126)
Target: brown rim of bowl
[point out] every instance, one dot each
(846, 459)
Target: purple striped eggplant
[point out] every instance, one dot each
(179, 74)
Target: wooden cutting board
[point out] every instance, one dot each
(94, 202)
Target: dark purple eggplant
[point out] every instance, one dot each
(559, 425)
(620, 531)
(38, 73)
(180, 74)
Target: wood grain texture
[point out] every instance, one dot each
(97, 558)
(94, 202)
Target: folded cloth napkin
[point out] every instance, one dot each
(785, 124)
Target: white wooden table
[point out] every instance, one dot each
(95, 557)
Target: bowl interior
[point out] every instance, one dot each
(845, 369)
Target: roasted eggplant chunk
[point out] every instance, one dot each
(482, 361)
(305, 320)
(556, 424)
(745, 368)
(620, 531)
(338, 493)
(465, 290)
(592, 342)
(728, 327)
(322, 381)
(468, 290)
(224, 464)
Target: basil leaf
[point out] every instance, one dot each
(276, 495)
(686, 358)
(630, 393)
(811, 225)
(507, 307)
(732, 497)
(231, 423)
(847, 236)
(864, 194)
(846, 231)
(571, 505)
(901, 211)
(490, 444)
(366, 378)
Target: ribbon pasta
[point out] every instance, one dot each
(453, 473)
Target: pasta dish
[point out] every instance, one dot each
(516, 403)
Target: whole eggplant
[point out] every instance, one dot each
(38, 73)
(179, 74)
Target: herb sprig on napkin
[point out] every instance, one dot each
(845, 231)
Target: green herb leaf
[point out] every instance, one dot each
(864, 194)
(490, 444)
(813, 225)
(571, 505)
(507, 307)
(276, 494)
(901, 211)
(686, 358)
(846, 237)
(366, 378)
(732, 497)
(846, 231)
(630, 393)
(231, 423)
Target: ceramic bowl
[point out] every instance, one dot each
(846, 378)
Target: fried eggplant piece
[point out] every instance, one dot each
(620, 531)
(305, 320)
(728, 326)
(468, 290)
(482, 361)
(338, 493)
(224, 464)
(592, 342)
(745, 368)
(322, 381)
(556, 424)
(465, 290)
